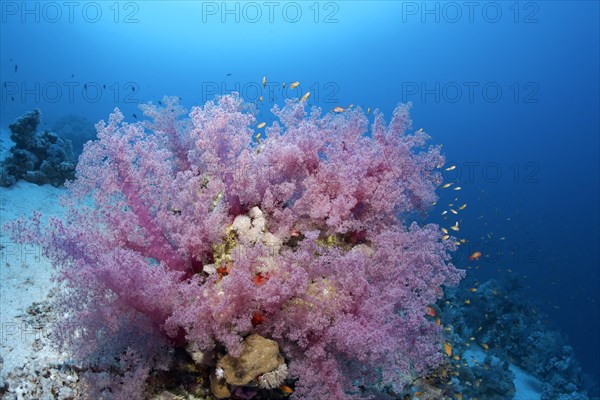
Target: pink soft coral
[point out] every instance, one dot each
(306, 229)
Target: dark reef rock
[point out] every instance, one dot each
(37, 157)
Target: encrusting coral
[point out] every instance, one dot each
(187, 233)
(259, 364)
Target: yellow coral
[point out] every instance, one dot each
(222, 251)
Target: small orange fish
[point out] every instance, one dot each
(305, 97)
(448, 349)
(467, 301)
(438, 322)
(430, 311)
(485, 346)
(286, 389)
(419, 394)
(475, 256)
(473, 289)
(338, 109)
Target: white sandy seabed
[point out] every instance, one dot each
(29, 365)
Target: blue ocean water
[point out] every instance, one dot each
(511, 90)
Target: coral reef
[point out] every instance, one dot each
(37, 157)
(187, 233)
(491, 379)
(500, 317)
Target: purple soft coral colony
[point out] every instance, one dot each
(188, 232)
